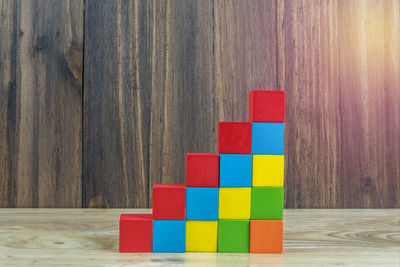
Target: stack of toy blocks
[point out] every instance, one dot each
(232, 201)
(267, 114)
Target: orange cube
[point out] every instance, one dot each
(266, 236)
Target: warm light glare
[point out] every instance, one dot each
(370, 37)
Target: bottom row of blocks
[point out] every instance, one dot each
(257, 236)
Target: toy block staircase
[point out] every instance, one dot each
(232, 201)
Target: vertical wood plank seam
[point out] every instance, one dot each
(12, 96)
(36, 120)
(153, 29)
(215, 105)
(149, 86)
(280, 61)
(277, 51)
(151, 98)
(340, 198)
(83, 105)
(338, 163)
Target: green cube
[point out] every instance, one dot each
(266, 203)
(233, 235)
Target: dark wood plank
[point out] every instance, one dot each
(342, 84)
(182, 91)
(116, 109)
(40, 103)
(245, 54)
(8, 32)
(127, 148)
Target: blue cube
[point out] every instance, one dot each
(202, 203)
(235, 170)
(169, 235)
(267, 138)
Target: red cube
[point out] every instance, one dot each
(267, 106)
(135, 233)
(234, 137)
(169, 202)
(202, 170)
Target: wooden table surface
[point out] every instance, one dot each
(85, 237)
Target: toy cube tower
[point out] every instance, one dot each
(232, 201)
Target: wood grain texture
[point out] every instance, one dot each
(85, 237)
(187, 47)
(116, 111)
(312, 128)
(342, 83)
(159, 75)
(245, 54)
(140, 123)
(182, 90)
(40, 103)
(370, 103)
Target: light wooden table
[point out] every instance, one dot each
(84, 237)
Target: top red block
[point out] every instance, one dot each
(267, 106)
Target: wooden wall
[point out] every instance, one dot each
(101, 99)
(41, 103)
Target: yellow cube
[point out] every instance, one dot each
(234, 202)
(268, 170)
(201, 235)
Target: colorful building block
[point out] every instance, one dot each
(267, 106)
(234, 202)
(202, 203)
(201, 236)
(135, 232)
(169, 235)
(235, 170)
(267, 203)
(266, 236)
(268, 138)
(169, 202)
(268, 170)
(233, 236)
(202, 170)
(234, 137)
